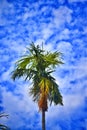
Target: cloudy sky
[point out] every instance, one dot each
(61, 25)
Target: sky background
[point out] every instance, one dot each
(61, 25)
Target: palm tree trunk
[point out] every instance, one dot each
(43, 120)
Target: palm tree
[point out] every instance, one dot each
(2, 126)
(38, 66)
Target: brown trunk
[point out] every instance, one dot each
(43, 120)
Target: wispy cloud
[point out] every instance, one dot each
(60, 26)
(77, 1)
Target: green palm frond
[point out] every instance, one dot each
(35, 49)
(22, 63)
(38, 65)
(2, 126)
(17, 73)
(35, 90)
(55, 95)
(35, 93)
(53, 59)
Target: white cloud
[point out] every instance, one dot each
(26, 15)
(64, 113)
(46, 46)
(62, 15)
(5, 58)
(66, 49)
(10, 100)
(17, 46)
(53, 127)
(81, 69)
(73, 102)
(85, 30)
(61, 1)
(18, 107)
(46, 32)
(39, 42)
(77, 1)
(6, 75)
(77, 72)
(5, 7)
(64, 34)
(49, 47)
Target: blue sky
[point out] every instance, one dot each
(61, 25)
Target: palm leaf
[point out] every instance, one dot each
(55, 95)
(38, 66)
(3, 127)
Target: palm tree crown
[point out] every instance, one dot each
(38, 66)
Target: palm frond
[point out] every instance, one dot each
(3, 115)
(53, 59)
(38, 66)
(17, 73)
(2, 126)
(55, 95)
(35, 92)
